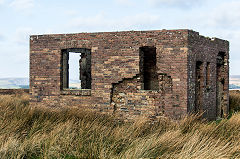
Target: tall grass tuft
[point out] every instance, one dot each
(69, 134)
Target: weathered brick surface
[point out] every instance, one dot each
(206, 50)
(116, 72)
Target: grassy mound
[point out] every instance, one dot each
(69, 134)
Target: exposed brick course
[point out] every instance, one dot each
(117, 73)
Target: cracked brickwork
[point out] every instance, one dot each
(132, 73)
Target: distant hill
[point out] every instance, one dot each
(17, 83)
(234, 82)
(232, 86)
(11, 83)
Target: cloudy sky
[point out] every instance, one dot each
(21, 18)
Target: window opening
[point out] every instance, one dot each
(76, 69)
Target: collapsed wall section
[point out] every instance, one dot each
(130, 101)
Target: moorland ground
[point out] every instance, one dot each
(31, 133)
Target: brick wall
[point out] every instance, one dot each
(117, 72)
(206, 50)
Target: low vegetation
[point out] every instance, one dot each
(234, 101)
(30, 133)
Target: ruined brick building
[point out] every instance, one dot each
(131, 73)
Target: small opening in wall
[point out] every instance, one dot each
(76, 69)
(149, 68)
(221, 58)
(199, 87)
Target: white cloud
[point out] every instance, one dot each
(223, 21)
(1, 2)
(176, 3)
(18, 56)
(226, 15)
(1, 37)
(124, 2)
(22, 4)
(139, 20)
(100, 22)
(22, 35)
(71, 12)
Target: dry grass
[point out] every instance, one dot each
(234, 101)
(26, 133)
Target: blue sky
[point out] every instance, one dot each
(21, 18)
